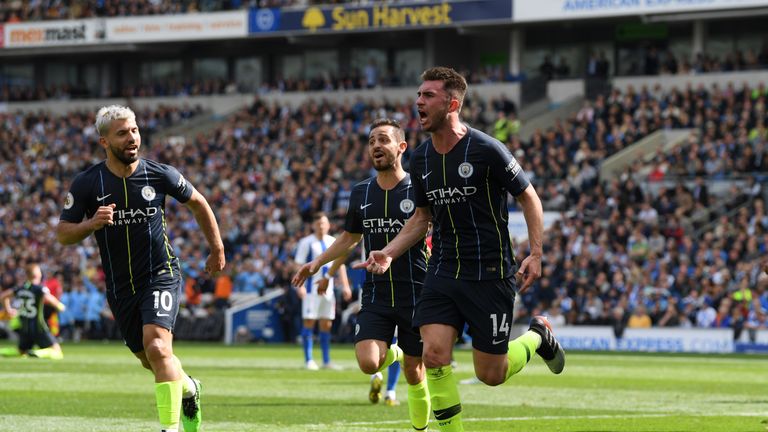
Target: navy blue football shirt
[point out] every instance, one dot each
(135, 250)
(466, 190)
(379, 215)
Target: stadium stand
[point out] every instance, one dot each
(618, 245)
(679, 233)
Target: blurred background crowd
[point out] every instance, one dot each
(675, 255)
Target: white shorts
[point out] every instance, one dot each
(316, 307)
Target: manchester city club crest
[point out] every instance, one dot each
(69, 201)
(466, 169)
(406, 206)
(148, 193)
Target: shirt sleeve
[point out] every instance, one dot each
(75, 202)
(176, 185)
(505, 168)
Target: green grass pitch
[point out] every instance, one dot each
(101, 387)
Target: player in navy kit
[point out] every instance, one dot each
(378, 209)
(121, 201)
(461, 179)
(33, 330)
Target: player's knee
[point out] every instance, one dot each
(157, 349)
(491, 377)
(368, 366)
(433, 358)
(490, 374)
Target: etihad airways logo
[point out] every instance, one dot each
(383, 225)
(450, 195)
(134, 216)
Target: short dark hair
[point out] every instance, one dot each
(453, 82)
(318, 215)
(399, 132)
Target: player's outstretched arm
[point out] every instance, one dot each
(336, 251)
(68, 233)
(530, 268)
(207, 222)
(414, 230)
(53, 301)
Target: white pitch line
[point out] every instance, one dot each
(574, 417)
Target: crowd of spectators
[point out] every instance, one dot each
(38, 10)
(170, 87)
(620, 247)
(676, 252)
(730, 125)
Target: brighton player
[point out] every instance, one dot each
(317, 306)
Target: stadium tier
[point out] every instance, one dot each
(618, 243)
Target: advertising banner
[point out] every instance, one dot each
(348, 18)
(167, 28)
(667, 339)
(52, 33)
(563, 10)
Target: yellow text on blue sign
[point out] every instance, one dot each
(391, 17)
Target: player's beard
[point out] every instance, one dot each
(121, 156)
(437, 120)
(385, 165)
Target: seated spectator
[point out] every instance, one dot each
(639, 318)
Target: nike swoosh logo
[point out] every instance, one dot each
(496, 342)
(423, 176)
(364, 206)
(103, 198)
(162, 314)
